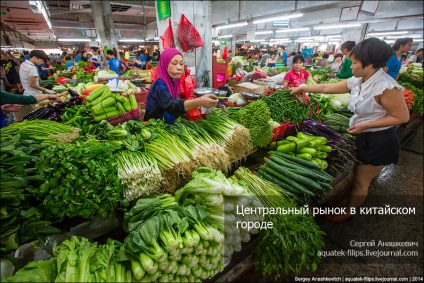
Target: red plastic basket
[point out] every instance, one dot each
(141, 97)
(279, 132)
(130, 115)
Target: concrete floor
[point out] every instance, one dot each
(398, 185)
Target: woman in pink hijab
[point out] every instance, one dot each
(163, 98)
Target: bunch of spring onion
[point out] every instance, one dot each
(44, 131)
(171, 243)
(295, 236)
(173, 157)
(139, 173)
(233, 137)
(219, 197)
(207, 152)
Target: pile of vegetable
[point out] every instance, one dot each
(293, 242)
(297, 177)
(343, 147)
(81, 179)
(414, 79)
(339, 123)
(106, 105)
(310, 148)
(418, 96)
(294, 108)
(255, 117)
(321, 73)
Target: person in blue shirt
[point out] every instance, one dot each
(142, 57)
(284, 56)
(26, 56)
(78, 56)
(43, 70)
(114, 64)
(401, 45)
(163, 100)
(69, 62)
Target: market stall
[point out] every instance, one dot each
(165, 199)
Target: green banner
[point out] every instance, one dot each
(164, 9)
(223, 41)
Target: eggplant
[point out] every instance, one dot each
(73, 93)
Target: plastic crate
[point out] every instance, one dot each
(141, 98)
(279, 132)
(130, 115)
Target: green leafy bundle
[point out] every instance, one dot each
(414, 79)
(321, 73)
(418, 103)
(255, 117)
(80, 180)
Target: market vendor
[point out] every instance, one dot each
(377, 102)
(297, 75)
(345, 71)
(163, 98)
(13, 102)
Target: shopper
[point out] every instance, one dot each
(297, 75)
(271, 61)
(142, 57)
(96, 59)
(290, 60)
(114, 64)
(43, 70)
(163, 99)
(323, 61)
(377, 102)
(345, 71)
(336, 65)
(11, 70)
(29, 76)
(264, 58)
(155, 57)
(417, 57)
(148, 65)
(393, 65)
(84, 56)
(13, 102)
(284, 56)
(314, 58)
(26, 56)
(69, 62)
(78, 56)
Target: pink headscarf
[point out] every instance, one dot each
(165, 58)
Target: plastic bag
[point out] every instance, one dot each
(188, 36)
(153, 74)
(225, 53)
(168, 37)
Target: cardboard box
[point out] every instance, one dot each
(25, 109)
(250, 88)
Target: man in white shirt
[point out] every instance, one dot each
(28, 73)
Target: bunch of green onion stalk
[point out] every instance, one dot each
(170, 243)
(207, 152)
(139, 173)
(232, 136)
(44, 131)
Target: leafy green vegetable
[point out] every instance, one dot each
(80, 180)
(255, 117)
(36, 271)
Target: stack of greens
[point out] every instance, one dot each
(255, 117)
(81, 179)
(294, 241)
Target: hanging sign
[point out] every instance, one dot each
(223, 41)
(164, 9)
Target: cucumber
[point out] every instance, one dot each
(96, 93)
(285, 148)
(121, 108)
(297, 160)
(133, 102)
(101, 111)
(284, 182)
(295, 177)
(305, 156)
(299, 169)
(311, 151)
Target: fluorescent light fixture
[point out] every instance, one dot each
(389, 41)
(74, 39)
(231, 25)
(386, 33)
(264, 42)
(280, 39)
(255, 40)
(418, 40)
(338, 26)
(311, 44)
(278, 18)
(311, 37)
(38, 8)
(305, 40)
(409, 35)
(225, 36)
(292, 29)
(216, 42)
(156, 38)
(131, 40)
(263, 32)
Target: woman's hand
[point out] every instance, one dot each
(331, 75)
(9, 108)
(295, 89)
(357, 129)
(208, 100)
